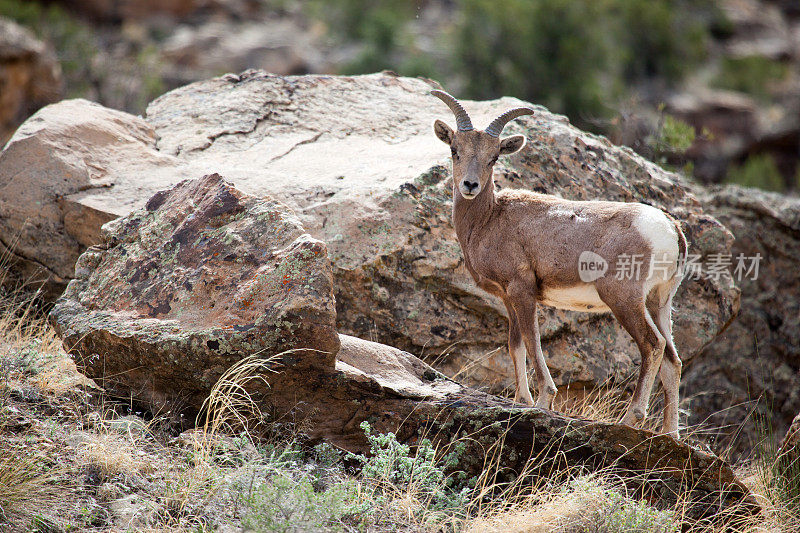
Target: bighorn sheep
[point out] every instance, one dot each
(528, 248)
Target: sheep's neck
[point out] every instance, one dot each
(469, 216)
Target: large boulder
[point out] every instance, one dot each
(179, 290)
(758, 356)
(356, 158)
(48, 172)
(30, 76)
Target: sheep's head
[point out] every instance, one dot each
(475, 152)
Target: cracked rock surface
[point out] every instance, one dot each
(356, 159)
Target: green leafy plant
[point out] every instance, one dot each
(392, 466)
(671, 139)
(759, 170)
(754, 75)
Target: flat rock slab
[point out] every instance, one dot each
(185, 287)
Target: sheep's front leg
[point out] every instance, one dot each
(523, 300)
(518, 353)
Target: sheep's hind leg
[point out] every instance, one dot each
(670, 371)
(628, 306)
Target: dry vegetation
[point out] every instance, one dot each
(74, 460)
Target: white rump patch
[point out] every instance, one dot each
(581, 297)
(660, 232)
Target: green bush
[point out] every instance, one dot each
(541, 51)
(672, 136)
(576, 57)
(573, 56)
(759, 170)
(391, 466)
(753, 75)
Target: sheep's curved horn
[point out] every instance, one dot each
(496, 127)
(462, 119)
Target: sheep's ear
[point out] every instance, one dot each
(512, 144)
(443, 131)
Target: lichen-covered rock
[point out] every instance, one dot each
(356, 158)
(201, 277)
(205, 275)
(30, 76)
(758, 356)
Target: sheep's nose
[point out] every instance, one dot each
(470, 185)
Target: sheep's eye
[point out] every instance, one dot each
(454, 153)
(493, 161)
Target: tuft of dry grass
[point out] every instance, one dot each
(111, 454)
(229, 409)
(590, 503)
(25, 486)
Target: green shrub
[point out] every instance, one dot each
(614, 512)
(391, 466)
(672, 136)
(759, 170)
(573, 56)
(286, 505)
(544, 51)
(753, 75)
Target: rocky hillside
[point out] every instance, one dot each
(355, 158)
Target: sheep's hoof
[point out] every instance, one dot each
(637, 414)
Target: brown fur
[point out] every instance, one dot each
(522, 246)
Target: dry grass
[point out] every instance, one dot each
(228, 410)
(588, 504)
(25, 485)
(112, 454)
